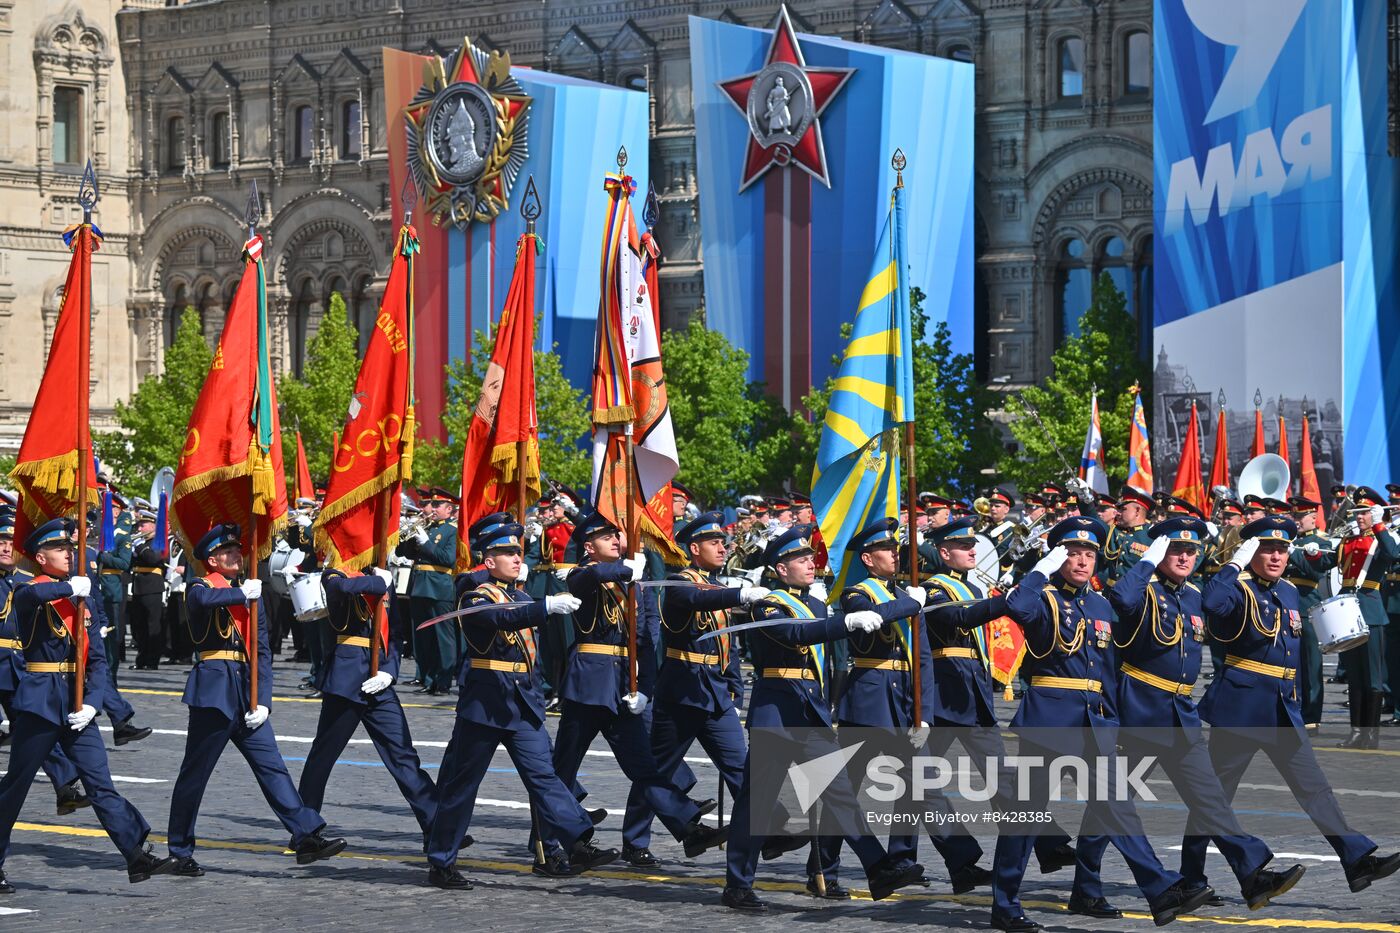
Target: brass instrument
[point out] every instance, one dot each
(983, 507)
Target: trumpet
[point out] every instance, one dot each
(410, 525)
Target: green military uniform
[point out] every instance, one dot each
(1306, 574)
(113, 568)
(430, 594)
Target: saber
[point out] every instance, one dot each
(470, 610)
(769, 623)
(684, 583)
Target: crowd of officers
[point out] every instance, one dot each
(1119, 601)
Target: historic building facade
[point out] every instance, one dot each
(290, 93)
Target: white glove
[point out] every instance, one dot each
(105, 630)
(1006, 580)
(636, 703)
(917, 593)
(375, 684)
(1353, 530)
(1052, 561)
(1156, 551)
(1377, 515)
(420, 535)
(752, 594)
(818, 590)
(864, 620)
(304, 521)
(561, 604)
(79, 721)
(524, 573)
(252, 589)
(637, 563)
(384, 574)
(918, 735)
(562, 574)
(1213, 528)
(1312, 548)
(256, 717)
(4, 727)
(82, 586)
(1245, 553)
(1039, 545)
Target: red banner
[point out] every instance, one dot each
(305, 488)
(1188, 469)
(1307, 474)
(1220, 460)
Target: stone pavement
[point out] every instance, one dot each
(69, 876)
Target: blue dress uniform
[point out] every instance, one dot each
(500, 703)
(1254, 706)
(595, 680)
(217, 693)
(430, 594)
(47, 621)
(353, 601)
(697, 688)
(792, 671)
(1069, 709)
(114, 565)
(1159, 636)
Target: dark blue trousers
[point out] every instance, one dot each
(1292, 755)
(1188, 767)
(210, 731)
(434, 648)
(673, 730)
(384, 721)
(57, 767)
(32, 740)
(627, 736)
(464, 765)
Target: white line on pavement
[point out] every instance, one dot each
(127, 779)
(1303, 855)
(7, 911)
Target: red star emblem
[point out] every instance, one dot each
(784, 128)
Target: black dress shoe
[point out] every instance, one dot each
(425, 689)
(1062, 856)
(890, 878)
(969, 877)
(1357, 739)
(1021, 924)
(5, 886)
(585, 856)
(186, 868)
(639, 857)
(146, 864)
(598, 815)
(1177, 900)
(706, 806)
(71, 799)
(449, 879)
(467, 842)
(555, 865)
(125, 732)
(699, 838)
(1093, 907)
(1369, 868)
(1265, 885)
(742, 899)
(828, 890)
(316, 847)
(778, 846)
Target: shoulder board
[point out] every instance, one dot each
(199, 581)
(691, 574)
(493, 592)
(1193, 586)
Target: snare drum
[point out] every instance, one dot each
(308, 598)
(1339, 624)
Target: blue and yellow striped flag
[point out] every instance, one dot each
(856, 480)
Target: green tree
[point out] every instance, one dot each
(1104, 357)
(153, 420)
(732, 438)
(317, 403)
(562, 411)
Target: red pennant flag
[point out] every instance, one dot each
(1307, 474)
(305, 489)
(1257, 448)
(359, 521)
(1188, 469)
(1220, 460)
(1282, 438)
(57, 438)
(231, 467)
(502, 457)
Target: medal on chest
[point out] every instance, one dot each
(1103, 631)
(1295, 622)
(1198, 628)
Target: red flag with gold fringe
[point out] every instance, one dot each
(1188, 469)
(305, 488)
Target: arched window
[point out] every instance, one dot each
(1074, 288)
(362, 311)
(1071, 60)
(175, 144)
(634, 81)
(302, 310)
(960, 53)
(1142, 277)
(174, 311)
(350, 129)
(1137, 63)
(220, 140)
(301, 134)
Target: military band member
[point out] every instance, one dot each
(1001, 529)
(793, 670)
(1368, 552)
(433, 548)
(147, 604)
(1159, 636)
(1390, 594)
(500, 703)
(217, 693)
(114, 565)
(1311, 559)
(1069, 709)
(1130, 538)
(47, 621)
(1254, 706)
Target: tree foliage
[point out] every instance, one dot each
(1104, 357)
(318, 402)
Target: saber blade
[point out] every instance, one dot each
(470, 610)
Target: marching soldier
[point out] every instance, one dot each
(1368, 551)
(112, 576)
(1253, 706)
(500, 702)
(147, 605)
(434, 551)
(1068, 630)
(217, 693)
(1311, 559)
(48, 612)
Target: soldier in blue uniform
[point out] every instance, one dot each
(595, 695)
(114, 565)
(1254, 705)
(47, 621)
(793, 671)
(1159, 636)
(217, 693)
(698, 685)
(433, 549)
(500, 702)
(1069, 709)
(350, 697)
